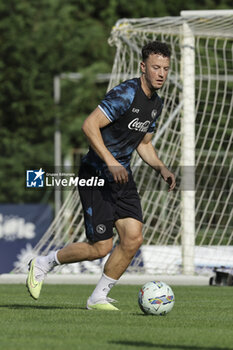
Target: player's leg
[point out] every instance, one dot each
(128, 221)
(130, 235)
(75, 252)
(131, 238)
(82, 251)
(129, 226)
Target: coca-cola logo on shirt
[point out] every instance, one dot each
(136, 125)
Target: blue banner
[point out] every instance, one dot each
(21, 227)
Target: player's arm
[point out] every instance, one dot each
(148, 154)
(91, 128)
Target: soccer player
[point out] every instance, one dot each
(123, 122)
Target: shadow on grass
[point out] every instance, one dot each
(140, 314)
(164, 346)
(41, 307)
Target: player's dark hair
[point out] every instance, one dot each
(155, 47)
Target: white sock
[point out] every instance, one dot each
(44, 264)
(102, 289)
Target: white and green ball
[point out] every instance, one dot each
(156, 298)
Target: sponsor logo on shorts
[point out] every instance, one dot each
(101, 228)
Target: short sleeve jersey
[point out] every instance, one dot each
(132, 114)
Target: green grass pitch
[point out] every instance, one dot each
(202, 319)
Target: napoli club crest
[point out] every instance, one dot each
(153, 113)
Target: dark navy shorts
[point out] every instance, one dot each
(104, 205)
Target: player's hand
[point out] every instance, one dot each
(168, 177)
(119, 173)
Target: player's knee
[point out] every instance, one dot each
(132, 244)
(138, 242)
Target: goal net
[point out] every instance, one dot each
(190, 229)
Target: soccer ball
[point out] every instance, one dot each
(156, 298)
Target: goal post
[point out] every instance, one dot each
(188, 230)
(188, 136)
(188, 149)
